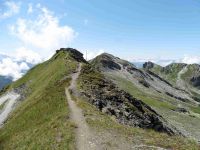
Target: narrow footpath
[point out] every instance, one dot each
(90, 140)
(180, 83)
(83, 134)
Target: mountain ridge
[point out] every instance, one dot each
(41, 118)
(156, 91)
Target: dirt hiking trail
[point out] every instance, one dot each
(88, 139)
(83, 134)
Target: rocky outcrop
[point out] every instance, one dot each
(23, 91)
(177, 97)
(148, 65)
(195, 81)
(157, 76)
(110, 64)
(106, 62)
(78, 56)
(181, 110)
(126, 109)
(174, 67)
(149, 77)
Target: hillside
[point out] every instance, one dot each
(171, 102)
(65, 103)
(183, 76)
(42, 113)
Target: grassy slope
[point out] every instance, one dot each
(170, 72)
(102, 122)
(42, 119)
(196, 109)
(151, 100)
(192, 70)
(156, 69)
(105, 123)
(171, 76)
(148, 99)
(164, 107)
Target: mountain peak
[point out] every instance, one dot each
(150, 65)
(107, 61)
(78, 56)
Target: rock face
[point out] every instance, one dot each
(181, 110)
(126, 109)
(107, 62)
(195, 81)
(157, 88)
(78, 56)
(172, 67)
(141, 78)
(148, 65)
(23, 91)
(188, 75)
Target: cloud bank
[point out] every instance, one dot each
(10, 8)
(187, 59)
(190, 59)
(17, 63)
(40, 34)
(44, 32)
(11, 68)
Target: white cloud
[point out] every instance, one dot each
(23, 54)
(44, 32)
(190, 59)
(11, 8)
(11, 68)
(187, 59)
(15, 64)
(164, 62)
(30, 9)
(161, 62)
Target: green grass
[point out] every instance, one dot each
(104, 123)
(135, 92)
(196, 109)
(95, 79)
(42, 120)
(192, 70)
(170, 72)
(156, 69)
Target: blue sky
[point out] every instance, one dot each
(131, 29)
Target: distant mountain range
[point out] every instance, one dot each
(162, 62)
(4, 81)
(173, 90)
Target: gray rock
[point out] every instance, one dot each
(127, 109)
